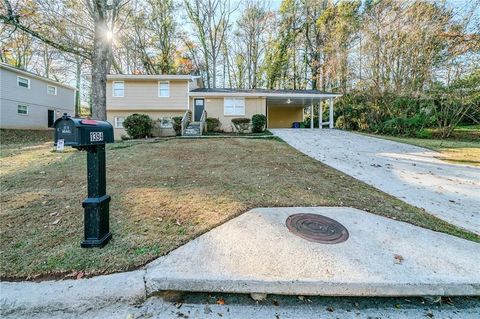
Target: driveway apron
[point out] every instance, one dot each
(448, 191)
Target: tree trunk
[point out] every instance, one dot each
(99, 66)
(77, 85)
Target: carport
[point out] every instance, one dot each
(285, 107)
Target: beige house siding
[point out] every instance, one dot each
(214, 108)
(154, 115)
(143, 95)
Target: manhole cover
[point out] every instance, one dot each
(317, 228)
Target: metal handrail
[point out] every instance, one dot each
(203, 118)
(185, 121)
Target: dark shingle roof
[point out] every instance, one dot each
(257, 91)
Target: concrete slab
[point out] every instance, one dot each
(66, 296)
(413, 174)
(256, 253)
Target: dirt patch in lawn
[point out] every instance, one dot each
(163, 194)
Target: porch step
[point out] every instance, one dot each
(193, 129)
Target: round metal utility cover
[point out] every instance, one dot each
(317, 228)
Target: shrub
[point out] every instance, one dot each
(213, 124)
(423, 133)
(125, 137)
(342, 123)
(241, 124)
(259, 121)
(138, 125)
(177, 124)
(406, 126)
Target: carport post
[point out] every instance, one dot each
(331, 112)
(320, 113)
(311, 116)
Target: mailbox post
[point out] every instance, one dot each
(91, 136)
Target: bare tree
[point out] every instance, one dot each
(251, 37)
(94, 44)
(210, 19)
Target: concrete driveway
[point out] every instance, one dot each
(414, 174)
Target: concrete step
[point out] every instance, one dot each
(192, 132)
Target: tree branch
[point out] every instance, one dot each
(13, 19)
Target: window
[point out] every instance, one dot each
(163, 89)
(119, 122)
(52, 90)
(23, 82)
(234, 106)
(22, 109)
(118, 89)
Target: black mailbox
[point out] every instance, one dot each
(90, 135)
(77, 132)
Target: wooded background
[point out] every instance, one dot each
(392, 60)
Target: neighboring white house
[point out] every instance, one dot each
(30, 101)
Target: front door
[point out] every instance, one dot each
(51, 118)
(199, 106)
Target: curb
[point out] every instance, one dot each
(72, 295)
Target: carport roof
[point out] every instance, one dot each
(263, 92)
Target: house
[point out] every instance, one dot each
(33, 102)
(165, 96)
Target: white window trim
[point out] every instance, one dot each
(52, 86)
(22, 113)
(160, 82)
(113, 89)
(234, 98)
(22, 77)
(116, 122)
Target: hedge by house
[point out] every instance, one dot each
(241, 124)
(138, 125)
(259, 122)
(177, 124)
(213, 124)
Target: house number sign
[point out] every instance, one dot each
(96, 136)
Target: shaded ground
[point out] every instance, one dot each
(163, 194)
(25, 136)
(450, 150)
(413, 174)
(202, 305)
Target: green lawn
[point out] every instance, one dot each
(164, 193)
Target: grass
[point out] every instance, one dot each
(236, 134)
(25, 137)
(164, 193)
(463, 147)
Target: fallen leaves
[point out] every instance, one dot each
(398, 259)
(220, 301)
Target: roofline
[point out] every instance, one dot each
(149, 77)
(36, 76)
(260, 94)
